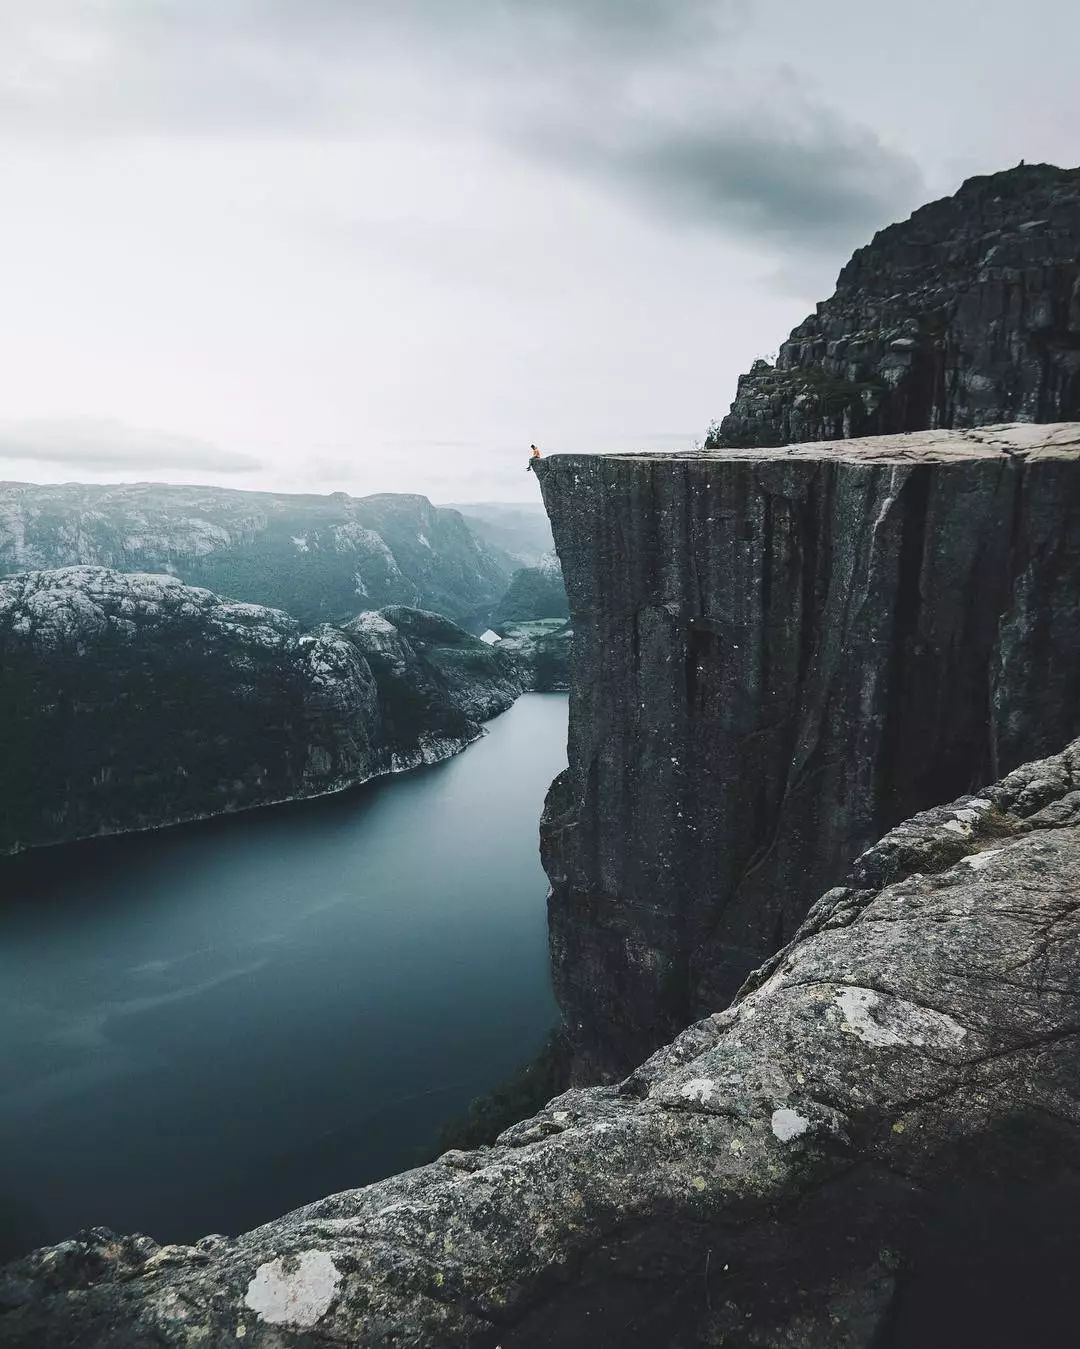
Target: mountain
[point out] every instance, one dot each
(320, 558)
(519, 530)
(533, 593)
(133, 701)
(967, 314)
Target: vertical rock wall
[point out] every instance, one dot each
(779, 655)
(966, 314)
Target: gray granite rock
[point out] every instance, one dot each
(964, 315)
(436, 681)
(876, 1145)
(133, 701)
(778, 655)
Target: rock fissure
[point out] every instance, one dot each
(809, 676)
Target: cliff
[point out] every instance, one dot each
(875, 1146)
(320, 558)
(133, 701)
(964, 315)
(778, 655)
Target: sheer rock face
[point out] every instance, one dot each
(132, 701)
(877, 1144)
(964, 315)
(777, 655)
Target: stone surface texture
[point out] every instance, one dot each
(964, 315)
(778, 654)
(876, 1146)
(131, 701)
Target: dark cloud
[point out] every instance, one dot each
(633, 94)
(106, 445)
(815, 183)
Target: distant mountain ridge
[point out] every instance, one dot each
(321, 558)
(520, 528)
(533, 593)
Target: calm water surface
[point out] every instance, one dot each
(203, 1027)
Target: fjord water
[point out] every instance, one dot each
(203, 1027)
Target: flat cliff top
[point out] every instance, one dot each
(1024, 440)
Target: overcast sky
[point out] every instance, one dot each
(384, 244)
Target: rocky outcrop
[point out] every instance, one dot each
(778, 655)
(133, 701)
(875, 1146)
(320, 558)
(436, 682)
(964, 315)
(541, 650)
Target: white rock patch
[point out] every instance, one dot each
(980, 860)
(294, 1290)
(697, 1089)
(855, 1004)
(788, 1124)
(909, 1023)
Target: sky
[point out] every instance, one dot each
(383, 245)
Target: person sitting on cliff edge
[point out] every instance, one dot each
(532, 458)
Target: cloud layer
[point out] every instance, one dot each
(105, 445)
(648, 99)
(336, 234)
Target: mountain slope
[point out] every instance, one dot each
(132, 701)
(321, 558)
(966, 314)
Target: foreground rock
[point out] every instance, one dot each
(320, 558)
(133, 701)
(778, 654)
(876, 1145)
(965, 315)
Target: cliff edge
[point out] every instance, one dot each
(778, 655)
